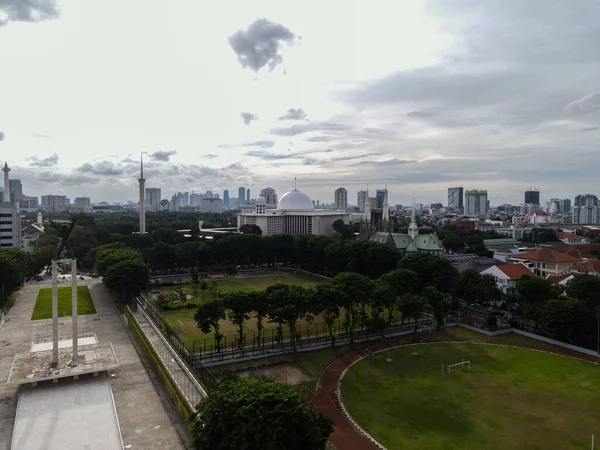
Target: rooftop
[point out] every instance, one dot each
(547, 254)
(515, 271)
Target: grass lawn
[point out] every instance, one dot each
(190, 331)
(43, 304)
(512, 398)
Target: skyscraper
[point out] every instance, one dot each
(361, 198)
(586, 209)
(476, 202)
(380, 196)
(532, 197)
(153, 199)
(142, 207)
(226, 198)
(455, 199)
(16, 190)
(270, 197)
(241, 194)
(341, 198)
(186, 199)
(248, 195)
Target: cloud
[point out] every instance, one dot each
(39, 135)
(293, 114)
(27, 11)
(307, 127)
(162, 155)
(260, 44)
(262, 154)
(263, 144)
(2, 135)
(585, 105)
(49, 161)
(210, 156)
(248, 117)
(590, 129)
(103, 168)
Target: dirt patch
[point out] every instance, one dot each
(284, 373)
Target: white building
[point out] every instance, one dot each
(54, 203)
(83, 202)
(295, 214)
(361, 198)
(476, 202)
(152, 199)
(508, 275)
(341, 198)
(10, 217)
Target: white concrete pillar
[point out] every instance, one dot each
(54, 314)
(74, 312)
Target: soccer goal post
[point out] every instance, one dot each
(459, 365)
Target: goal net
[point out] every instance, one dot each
(459, 365)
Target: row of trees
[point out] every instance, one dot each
(16, 266)
(360, 301)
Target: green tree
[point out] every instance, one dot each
(357, 291)
(328, 300)
(432, 270)
(404, 282)
(128, 278)
(383, 298)
(452, 244)
(438, 303)
(260, 306)
(585, 288)
(258, 414)
(288, 305)
(238, 306)
(251, 229)
(208, 315)
(563, 318)
(534, 292)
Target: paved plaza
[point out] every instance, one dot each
(146, 417)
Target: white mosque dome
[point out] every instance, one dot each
(260, 201)
(295, 200)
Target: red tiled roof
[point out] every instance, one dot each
(592, 265)
(548, 254)
(561, 277)
(515, 271)
(540, 213)
(580, 251)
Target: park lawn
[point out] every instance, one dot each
(43, 303)
(511, 398)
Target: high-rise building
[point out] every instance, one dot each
(563, 205)
(54, 203)
(380, 196)
(83, 202)
(341, 198)
(195, 199)
(455, 199)
(241, 194)
(16, 190)
(142, 201)
(186, 199)
(476, 202)
(270, 197)
(226, 198)
(532, 197)
(248, 195)
(586, 210)
(30, 203)
(361, 198)
(214, 205)
(10, 216)
(153, 198)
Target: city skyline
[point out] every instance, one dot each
(463, 97)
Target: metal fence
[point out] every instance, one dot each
(204, 375)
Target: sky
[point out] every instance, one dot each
(420, 96)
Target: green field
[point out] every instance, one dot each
(191, 332)
(511, 399)
(43, 303)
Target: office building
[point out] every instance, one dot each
(83, 203)
(10, 216)
(380, 196)
(226, 198)
(16, 190)
(213, 205)
(561, 205)
(248, 195)
(195, 199)
(270, 197)
(295, 214)
(361, 198)
(241, 195)
(532, 197)
(476, 202)
(455, 199)
(54, 203)
(341, 198)
(186, 199)
(586, 211)
(153, 198)
(30, 203)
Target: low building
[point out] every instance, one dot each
(508, 275)
(546, 261)
(571, 238)
(295, 214)
(590, 267)
(407, 244)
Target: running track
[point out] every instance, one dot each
(346, 436)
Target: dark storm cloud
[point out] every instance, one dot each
(262, 144)
(260, 44)
(294, 114)
(49, 161)
(163, 155)
(103, 168)
(27, 11)
(248, 117)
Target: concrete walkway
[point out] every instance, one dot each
(146, 417)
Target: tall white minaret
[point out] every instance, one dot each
(413, 229)
(142, 184)
(5, 169)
